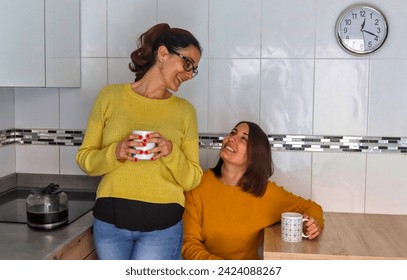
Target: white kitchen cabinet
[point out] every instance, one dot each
(62, 43)
(22, 43)
(40, 43)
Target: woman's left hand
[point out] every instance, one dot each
(312, 227)
(163, 146)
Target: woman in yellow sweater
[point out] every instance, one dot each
(225, 215)
(140, 203)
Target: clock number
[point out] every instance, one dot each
(345, 30)
(379, 30)
(370, 44)
(354, 15)
(348, 21)
(376, 22)
(362, 13)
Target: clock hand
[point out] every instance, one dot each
(369, 33)
(363, 24)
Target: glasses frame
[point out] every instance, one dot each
(187, 60)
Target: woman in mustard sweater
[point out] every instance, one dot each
(225, 215)
(140, 203)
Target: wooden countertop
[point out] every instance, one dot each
(345, 236)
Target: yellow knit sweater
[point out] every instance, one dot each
(116, 113)
(223, 222)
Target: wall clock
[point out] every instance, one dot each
(361, 29)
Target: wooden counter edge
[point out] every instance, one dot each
(301, 256)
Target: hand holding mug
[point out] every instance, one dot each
(143, 148)
(312, 227)
(125, 149)
(292, 227)
(143, 145)
(163, 147)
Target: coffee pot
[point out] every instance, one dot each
(47, 207)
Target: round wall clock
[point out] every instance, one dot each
(361, 29)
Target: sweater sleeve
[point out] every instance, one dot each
(184, 165)
(193, 247)
(92, 157)
(289, 202)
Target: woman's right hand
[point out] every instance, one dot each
(124, 149)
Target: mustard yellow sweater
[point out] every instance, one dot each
(116, 113)
(223, 222)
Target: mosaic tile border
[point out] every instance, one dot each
(307, 143)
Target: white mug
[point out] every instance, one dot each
(292, 226)
(147, 147)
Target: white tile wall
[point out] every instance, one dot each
(327, 12)
(338, 181)
(67, 162)
(341, 92)
(287, 107)
(7, 153)
(187, 14)
(7, 160)
(41, 159)
(6, 108)
(388, 98)
(273, 62)
(395, 39)
(288, 29)
(118, 71)
(234, 93)
(386, 184)
(196, 91)
(292, 170)
(37, 107)
(234, 28)
(93, 28)
(126, 20)
(76, 103)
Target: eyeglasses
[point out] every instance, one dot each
(188, 64)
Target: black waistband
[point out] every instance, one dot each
(137, 215)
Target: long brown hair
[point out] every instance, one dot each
(148, 43)
(260, 168)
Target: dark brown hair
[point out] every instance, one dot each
(148, 43)
(260, 167)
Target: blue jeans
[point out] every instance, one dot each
(114, 243)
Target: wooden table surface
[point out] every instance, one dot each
(345, 236)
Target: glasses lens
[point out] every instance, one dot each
(188, 65)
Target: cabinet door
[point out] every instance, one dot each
(22, 43)
(62, 43)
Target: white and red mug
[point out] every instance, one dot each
(147, 147)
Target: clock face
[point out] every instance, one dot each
(361, 29)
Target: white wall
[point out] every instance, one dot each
(270, 61)
(7, 152)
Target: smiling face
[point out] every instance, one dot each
(234, 146)
(174, 72)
